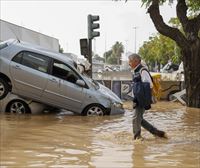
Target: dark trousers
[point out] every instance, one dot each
(139, 121)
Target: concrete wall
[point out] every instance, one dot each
(120, 83)
(123, 89)
(9, 30)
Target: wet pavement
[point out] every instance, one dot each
(64, 140)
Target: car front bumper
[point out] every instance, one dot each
(116, 109)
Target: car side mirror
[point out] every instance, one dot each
(80, 83)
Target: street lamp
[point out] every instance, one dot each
(135, 37)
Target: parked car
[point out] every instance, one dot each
(169, 68)
(51, 78)
(15, 104)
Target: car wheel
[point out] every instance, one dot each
(18, 107)
(4, 88)
(94, 110)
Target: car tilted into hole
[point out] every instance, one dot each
(29, 73)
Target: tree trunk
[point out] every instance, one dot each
(191, 60)
(189, 42)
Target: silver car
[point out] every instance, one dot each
(50, 78)
(16, 104)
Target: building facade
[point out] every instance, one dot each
(12, 31)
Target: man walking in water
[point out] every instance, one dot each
(141, 74)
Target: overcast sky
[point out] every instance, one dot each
(67, 21)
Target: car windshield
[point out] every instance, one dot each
(3, 45)
(92, 81)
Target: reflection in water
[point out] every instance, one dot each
(62, 140)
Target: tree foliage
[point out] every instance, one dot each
(97, 57)
(193, 5)
(114, 55)
(159, 49)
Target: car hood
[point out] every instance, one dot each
(104, 90)
(107, 92)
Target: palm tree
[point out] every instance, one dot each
(117, 50)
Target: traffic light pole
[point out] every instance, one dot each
(90, 57)
(92, 25)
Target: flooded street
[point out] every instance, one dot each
(65, 140)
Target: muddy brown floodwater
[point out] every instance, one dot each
(59, 140)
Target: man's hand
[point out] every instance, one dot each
(134, 105)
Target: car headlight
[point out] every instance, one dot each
(118, 105)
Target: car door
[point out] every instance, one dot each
(29, 73)
(62, 89)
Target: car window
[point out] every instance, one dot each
(35, 61)
(63, 71)
(18, 58)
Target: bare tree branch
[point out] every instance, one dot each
(164, 29)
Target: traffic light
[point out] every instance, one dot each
(84, 47)
(92, 26)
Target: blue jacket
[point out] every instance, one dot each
(141, 90)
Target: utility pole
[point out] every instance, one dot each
(135, 36)
(126, 50)
(105, 48)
